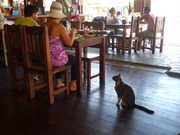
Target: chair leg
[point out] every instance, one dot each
(66, 82)
(30, 86)
(107, 45)
(161, 45)
(144, 43)
(50, 87)
(12, 71)
(153, 46)
(85, 70)
(135, 45)
(129, 49)
(112, 44)
(117, 45)
(123, 46)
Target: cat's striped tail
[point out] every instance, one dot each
(143, 109)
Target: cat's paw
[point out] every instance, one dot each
(118, 106)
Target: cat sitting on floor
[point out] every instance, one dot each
(126, 96)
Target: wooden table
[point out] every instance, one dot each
(95, 32)
(113, 35)
(118, 26)
(80, 45)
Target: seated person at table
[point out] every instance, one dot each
(29, 18)
(146, 19)
(111, 18)
(2, 20)
(58, 37)
(119, 17)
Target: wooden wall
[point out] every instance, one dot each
(140, 4)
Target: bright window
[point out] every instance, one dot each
(94, 8)
(47, 4)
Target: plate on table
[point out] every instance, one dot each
(89, 35)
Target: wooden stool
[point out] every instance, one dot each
(87, 66)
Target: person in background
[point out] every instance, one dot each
(58, 38)
(29, 19)
(148, 19)
(30, 16)
(119, 17)
(112, 19)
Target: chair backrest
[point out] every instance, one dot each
(96, 25)
(159, 25)
(37, 47)
(14, 40)
(135, 24)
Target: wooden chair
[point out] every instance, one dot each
(127, 40)
(112, 37)
(39, 63)
(88, 59)
(14, 39)
(158, 34)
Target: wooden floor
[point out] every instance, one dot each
(95, 113)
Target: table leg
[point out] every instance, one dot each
(85, 49)
(79, 69)
(102, 64)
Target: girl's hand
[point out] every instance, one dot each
(74, 31)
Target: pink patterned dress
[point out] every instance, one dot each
(58, 53)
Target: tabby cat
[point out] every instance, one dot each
(126, 96)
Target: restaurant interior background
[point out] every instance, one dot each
(92, 8)
(168, 8)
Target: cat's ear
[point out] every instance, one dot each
(119, 75)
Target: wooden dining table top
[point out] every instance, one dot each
(117, 26)
(96, 32)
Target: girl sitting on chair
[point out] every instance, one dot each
(58, 37)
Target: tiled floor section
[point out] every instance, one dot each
(169, 58)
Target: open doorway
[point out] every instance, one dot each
(169, 9)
